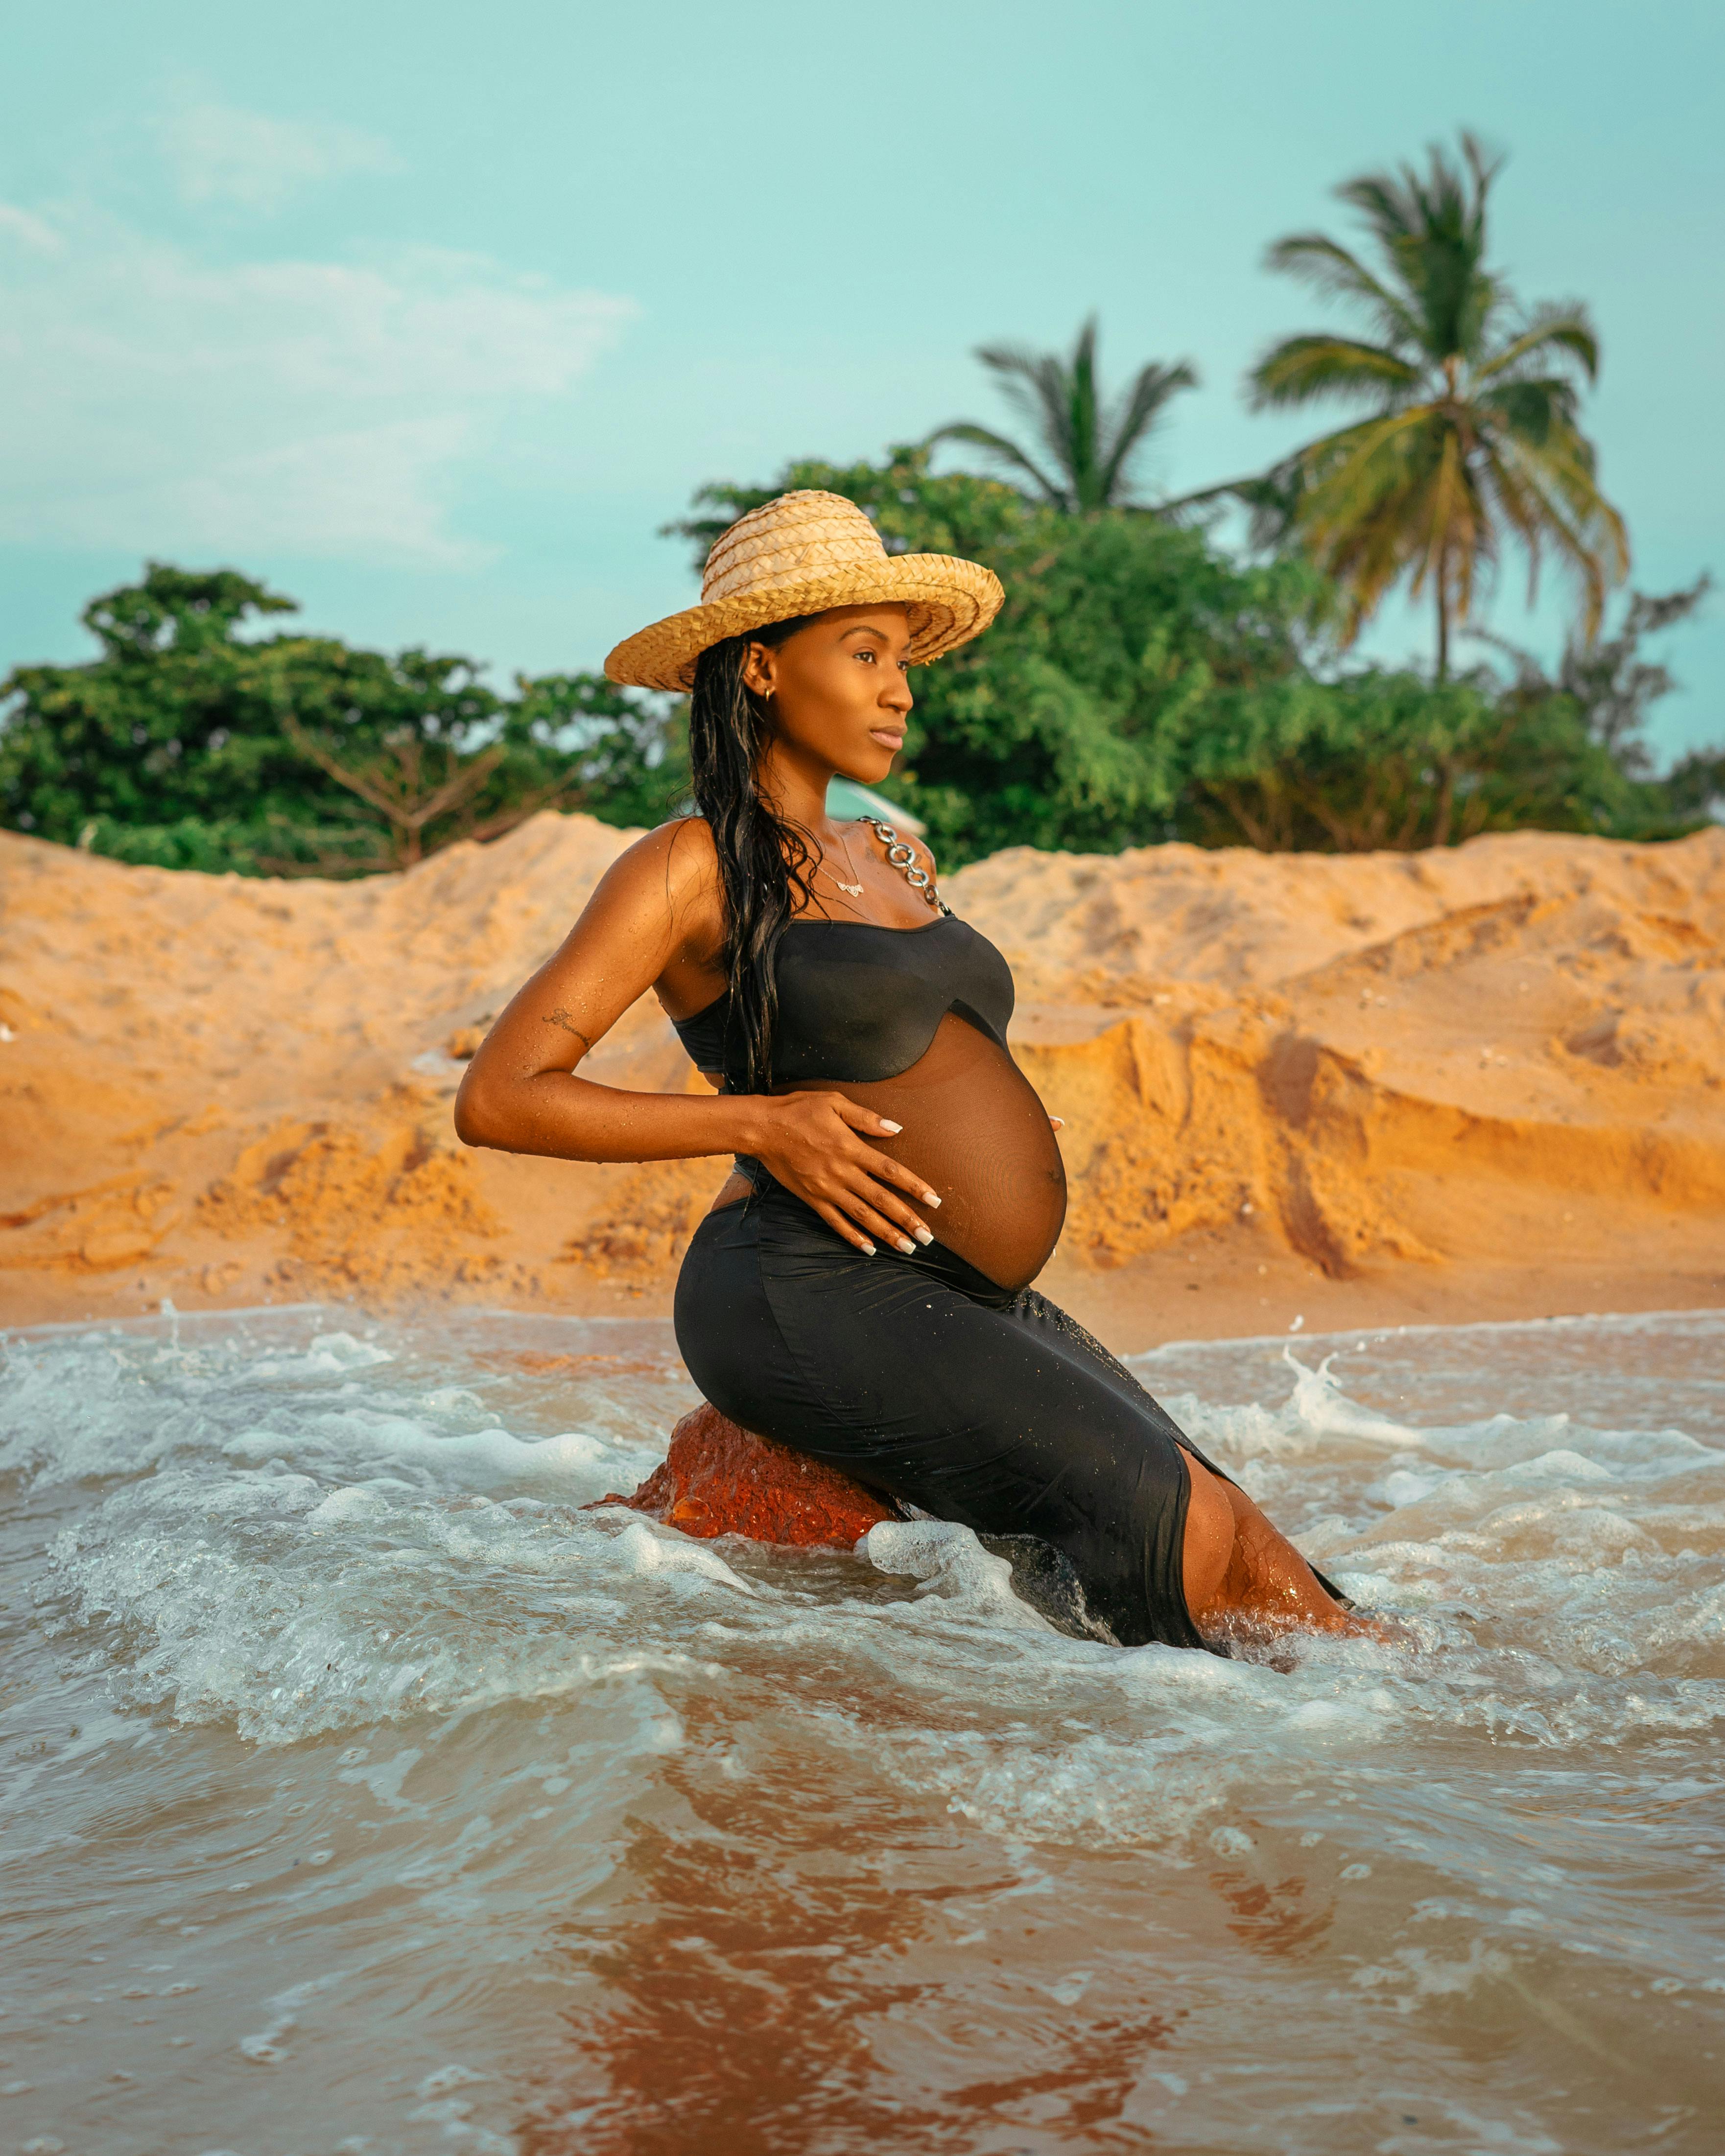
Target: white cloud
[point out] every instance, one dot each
(153, 401)
(32, 231)
(219, 154)
(374, 494)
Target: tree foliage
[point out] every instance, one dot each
(192, 741)
(1142, 684)
(1389, 760)
(1608, 678)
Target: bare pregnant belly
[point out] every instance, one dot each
(974, 1129)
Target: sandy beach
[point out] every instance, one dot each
(1434, 1087)
(1487, 1082)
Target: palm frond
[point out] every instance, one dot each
(1008, 452)
(1347, 473)
(1484, 165)
(1458, 534)
(1272, 501)
(1431, 228)
(1030, 382)
(1520, 504)
(1379, 504)
(1082, 437)
(1135, 418)
(1301, 369)
(1538, 510)
(1082, 418)
(1566, 328)
(1384, 200)
(1550, 488)
(1530, 408)
(1337, 273)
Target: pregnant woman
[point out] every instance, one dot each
(861, 1288)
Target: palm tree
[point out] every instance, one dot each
(1472, 432)
(1089, 443)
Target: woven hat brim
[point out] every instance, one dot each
(948, 601)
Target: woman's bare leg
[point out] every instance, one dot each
(1207, 1554)
(1246, 1580)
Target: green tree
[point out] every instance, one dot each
(1125, 647)
(191, 741)
(1142, 684)
(171, 736)
(1072, 722)
(1388, 760)
(1695, 791)
(623, 753)
(1086, 445)
(1472, 435)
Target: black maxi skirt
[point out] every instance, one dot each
(977, 1403)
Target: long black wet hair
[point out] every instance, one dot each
(765, 861)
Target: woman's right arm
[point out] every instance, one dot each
(657, 914)
(521, 1093)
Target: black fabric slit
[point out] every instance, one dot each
(920, 1376)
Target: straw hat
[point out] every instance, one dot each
(802, 553)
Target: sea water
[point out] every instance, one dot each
(360, 1791)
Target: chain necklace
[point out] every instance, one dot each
(903, 857)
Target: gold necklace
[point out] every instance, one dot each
(855, 890)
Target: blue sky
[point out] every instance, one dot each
(431, 316)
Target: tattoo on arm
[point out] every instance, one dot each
(562, 1019)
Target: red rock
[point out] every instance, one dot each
(720, 1478)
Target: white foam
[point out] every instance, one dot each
(643, 1549)
(1319, 1405)
(300, 1540)
(326, 1355)
(506, 1721)
(949, 1564)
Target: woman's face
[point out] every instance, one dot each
(837, 688)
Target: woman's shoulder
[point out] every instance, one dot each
(679, 856)
(669, 875)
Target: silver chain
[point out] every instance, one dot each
(903, 857)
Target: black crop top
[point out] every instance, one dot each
(858, 1002)
(911, 1023)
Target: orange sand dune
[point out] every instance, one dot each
(1480, 1082)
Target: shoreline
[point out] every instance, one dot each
(1207, 1289)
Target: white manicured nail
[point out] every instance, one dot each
(867, 1250)
(929, 1197)
(923, 1236)
(893, 1127)
(906, 1245)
